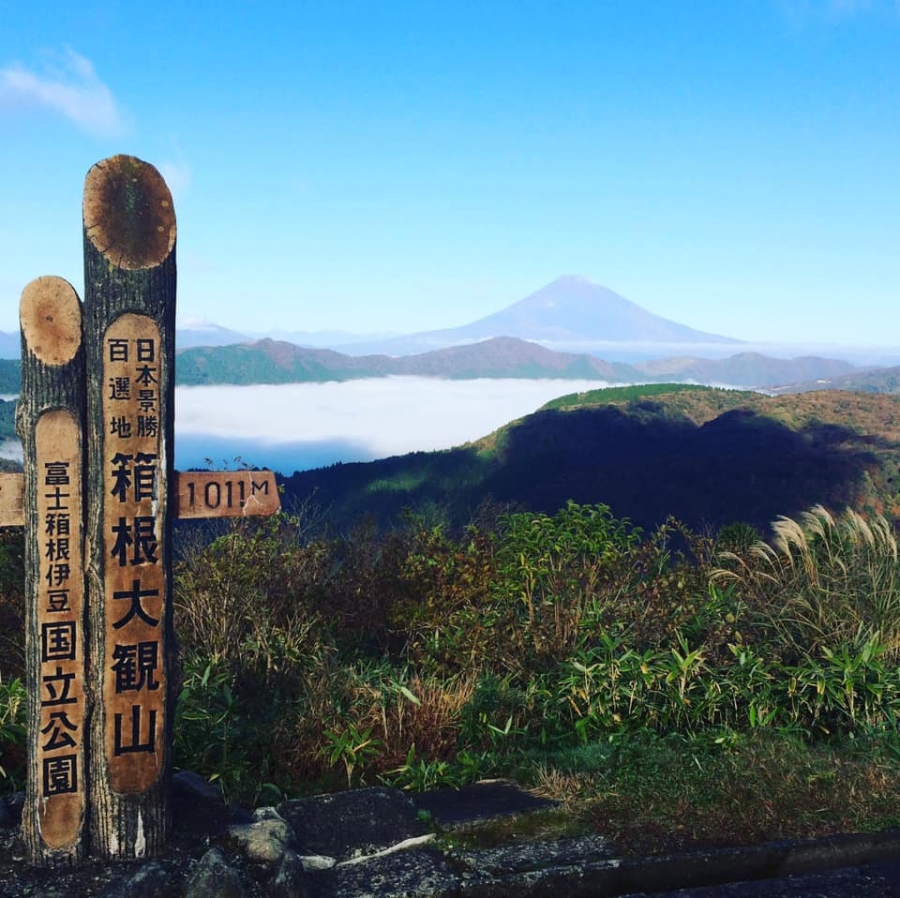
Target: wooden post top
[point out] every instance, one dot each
(50, 315)
(128, 213)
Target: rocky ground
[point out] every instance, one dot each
(368, 842)
(383, 843)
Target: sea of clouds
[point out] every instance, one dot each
(293, 427)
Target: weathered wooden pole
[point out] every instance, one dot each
(50, 423)
(129, 335)
(98, 496)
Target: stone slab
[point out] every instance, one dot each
(348, 824)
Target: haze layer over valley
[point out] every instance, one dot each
(570, 314)
(299, 426)
(281, 404)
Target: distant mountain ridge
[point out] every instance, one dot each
(275, 362)
(747, 369)
(272, 361)
(569, 310)
(206, 333)
(881, 380)
(574, 308)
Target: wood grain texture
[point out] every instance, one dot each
(50, 424)
(226, 494)
(50, 317)
(128, 213)
(130, 283)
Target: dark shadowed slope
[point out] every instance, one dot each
(708, 457)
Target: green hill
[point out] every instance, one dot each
(277, 362)
(707, 456)
(10, 375)
(7, 420)
(881, 380)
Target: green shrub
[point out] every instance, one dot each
(12, 603)
(12, 735)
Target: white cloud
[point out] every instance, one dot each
(293, 426)
(69, 86)
(11, 449)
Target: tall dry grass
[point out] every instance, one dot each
(824, 581)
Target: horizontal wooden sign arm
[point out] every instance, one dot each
(12, 500)
(225, 494)
(198, 495)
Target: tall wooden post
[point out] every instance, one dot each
(50, 423)
(98, 496)
(129, 253)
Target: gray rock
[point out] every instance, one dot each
(359, 822)
(315, 862)
(150, 880)
(537, 855)
(263, 842)
(485, 800)
(403, 874)
(199, 810)
(7, 820)
(268, 813)
(214, 878)
(288, 880)
(192, 787)
(16, 802)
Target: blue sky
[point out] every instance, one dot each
(401, 166)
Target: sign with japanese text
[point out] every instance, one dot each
(60, 623)
(97, 499)
(198, 494)
(50, 423)
(134, 693)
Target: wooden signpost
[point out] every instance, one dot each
(50, 418)
(218, 494)
(129, 284)
(98, 498)
(198, 494)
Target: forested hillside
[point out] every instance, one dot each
(708, 457)
(277, 362)
(7, 420)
